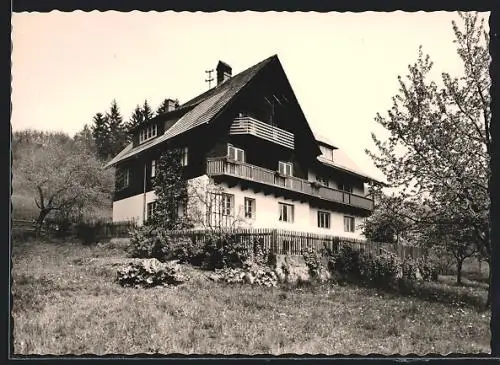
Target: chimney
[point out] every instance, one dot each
(172, 104)
(223, 72)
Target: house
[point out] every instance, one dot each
(249, 137)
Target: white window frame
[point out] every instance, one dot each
(238, 153)
(283, 166)
(150, 209)
(349, 223)
(250, 208)
(184, 156)
(153, 168)
(324, 219)
(286, 212)
(148, 132)
(123, 178)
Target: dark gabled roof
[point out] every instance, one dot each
(204, 108)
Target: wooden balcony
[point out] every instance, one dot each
(248, 125)
(223, 166)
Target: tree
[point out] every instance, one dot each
(84, 139)
(164, 106)
(438, 149)
(171, 192)
(63, 179)
(117, 130)
(147, 112)
(136, 119)
(101, 134)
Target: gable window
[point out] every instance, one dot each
(150, 210)
(249, 208)
(322, 180)
(153, 168)
(286, 212)
(235, 154)
(323, 219)
(326, 152)
(122, 178)
(285, 168)
(348, 224)
(184, 156)
(148, 132)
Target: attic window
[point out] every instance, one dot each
(148, 132)
(326, 152)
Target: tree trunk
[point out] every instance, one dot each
(459, 271)
(39, 222)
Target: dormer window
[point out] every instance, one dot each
(148, 132)
(326, 152)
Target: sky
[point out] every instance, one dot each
(343, 67)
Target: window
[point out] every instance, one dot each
(346, 187)
(148, 132)
(323, 219)
(326, 152)
(122, 178)
(220, 209)
(153, 168)
(150, 210)
(249, 208)
(286, 212)
(285, 168)
(322, 180)
(348, 224)
(184, 156)
(235, 154)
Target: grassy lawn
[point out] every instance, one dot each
(66, 301)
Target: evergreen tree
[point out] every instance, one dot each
(147, 112)
(136, 119)
(101, 134)
(117, 129)
(84, 139)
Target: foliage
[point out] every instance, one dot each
(439, 145)
(101, 133)
(118, 134)
(150, 273)
(63, 179)
(313, 262)
(136, 119)
(171, 192)
(222, 249)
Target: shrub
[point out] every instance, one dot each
(148, 242)
(222, 250)
(313, 263)
(429, 269)
(89, 233)
(150, 273)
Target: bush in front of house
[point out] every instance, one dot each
(384, 270)
(223, 249)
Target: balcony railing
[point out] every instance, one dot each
(248, 125)
(223, 166)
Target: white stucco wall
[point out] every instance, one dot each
(266, 210)
(131, 208)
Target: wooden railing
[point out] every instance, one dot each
(248, 125)
(223, 166)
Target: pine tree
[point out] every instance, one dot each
(101, 134)
(147, 112)
(136, 119)
(118, 133)
(84, 139)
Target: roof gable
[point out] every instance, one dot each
(206, 107)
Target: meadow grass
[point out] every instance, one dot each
(65, 301)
